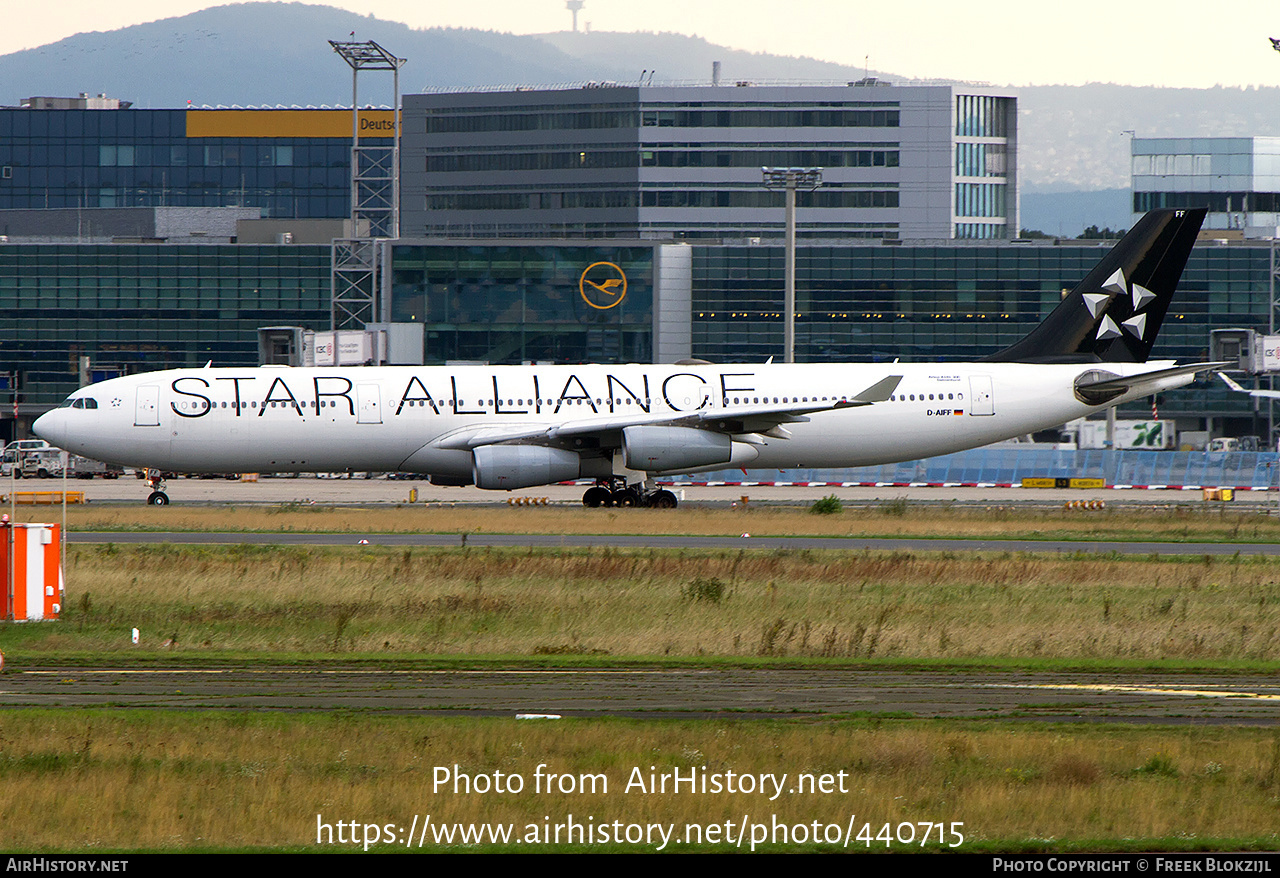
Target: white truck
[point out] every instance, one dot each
(46, 463)
(1153, 435)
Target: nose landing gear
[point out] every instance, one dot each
(155, 481)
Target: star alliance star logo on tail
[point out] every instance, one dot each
(1116, 286)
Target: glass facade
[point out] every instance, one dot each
(983, 116)
(1217, 202)
(571, 157)
(955, 302)
(980, 199)
(521, 304)
(137, 308)
(705, 114)
(132, 308)
(981, 159)
(158, 158)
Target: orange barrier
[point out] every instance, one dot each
(30, 553)
(45, 498)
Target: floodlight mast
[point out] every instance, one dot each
(358, 265)
(791, 179)
(371, 56)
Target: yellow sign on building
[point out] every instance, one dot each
(288, 123)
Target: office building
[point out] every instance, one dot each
(606, 161)
(102, 153)
(1237, 178)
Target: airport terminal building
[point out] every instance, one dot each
(687, 263)
(139, 307)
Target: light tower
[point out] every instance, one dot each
(573, 6)
(357, 264)
(791, 179)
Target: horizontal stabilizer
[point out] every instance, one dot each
(1098, 387)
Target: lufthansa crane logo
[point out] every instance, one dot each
(603, 285)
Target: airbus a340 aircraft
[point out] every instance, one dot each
(505, 427)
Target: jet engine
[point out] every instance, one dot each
(505, 467)
(656, 449)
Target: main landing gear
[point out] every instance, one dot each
(155, 481)
(616, 492)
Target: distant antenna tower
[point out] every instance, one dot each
(573, 6)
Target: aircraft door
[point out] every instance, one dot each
(147, 413)
(981, 398)
(368, 404)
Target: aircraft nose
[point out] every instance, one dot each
(51, 427)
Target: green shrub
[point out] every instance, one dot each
(828, 505)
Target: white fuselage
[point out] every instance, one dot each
(428, 419)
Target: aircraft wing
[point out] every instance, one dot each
(763, 418)
(1265, 394)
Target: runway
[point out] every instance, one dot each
(731, 693)
(388, 492)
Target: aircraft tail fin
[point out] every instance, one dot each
(1114, 314)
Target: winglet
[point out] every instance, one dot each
(1233, 385)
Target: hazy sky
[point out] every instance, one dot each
(1138, 42)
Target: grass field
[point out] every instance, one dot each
(91, 780)
(88, 779)
(370, 601)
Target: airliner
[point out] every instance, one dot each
(626, 426)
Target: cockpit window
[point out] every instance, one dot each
(67, 403)
(79, 402)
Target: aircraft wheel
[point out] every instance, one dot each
(626, 498)
(158, 498)
(664, 500)
(596, 497)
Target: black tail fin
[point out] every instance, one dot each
(1113, 315)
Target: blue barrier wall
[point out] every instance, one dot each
(1011, 464)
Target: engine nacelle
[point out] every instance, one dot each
(505, 467)
(655, 449)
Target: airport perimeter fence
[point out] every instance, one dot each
(1008, 466)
